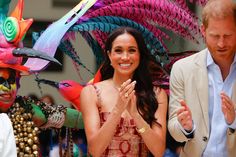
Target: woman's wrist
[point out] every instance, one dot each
(141, 130)
(141, 125)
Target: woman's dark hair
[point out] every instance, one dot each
(146, 100)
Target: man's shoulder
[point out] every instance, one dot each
(192, 59)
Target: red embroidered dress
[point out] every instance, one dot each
(123, 146)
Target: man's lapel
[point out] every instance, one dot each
(201, 81)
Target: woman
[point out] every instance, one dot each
(125, 114)
(7, 139)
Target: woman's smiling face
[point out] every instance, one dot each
(124, 55)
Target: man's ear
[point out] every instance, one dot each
(203, 30)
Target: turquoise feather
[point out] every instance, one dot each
(69, 50)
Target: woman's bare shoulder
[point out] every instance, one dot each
(88, 88)
(94, 88)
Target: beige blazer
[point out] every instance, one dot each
(189, 81)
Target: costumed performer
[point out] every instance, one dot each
(26, 115)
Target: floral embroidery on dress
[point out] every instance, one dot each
(120, 147)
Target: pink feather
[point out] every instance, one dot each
(164, 8)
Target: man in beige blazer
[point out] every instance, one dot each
(203, 88)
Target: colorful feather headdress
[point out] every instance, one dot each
(12, 31)
(150, 17)
(13, 28)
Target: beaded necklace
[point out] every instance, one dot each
(25, 131)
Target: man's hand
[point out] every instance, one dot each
(185, 117)
(227, 107)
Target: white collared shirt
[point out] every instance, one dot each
(7, 139)
(217, 145)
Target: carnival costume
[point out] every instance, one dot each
(27, 115)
